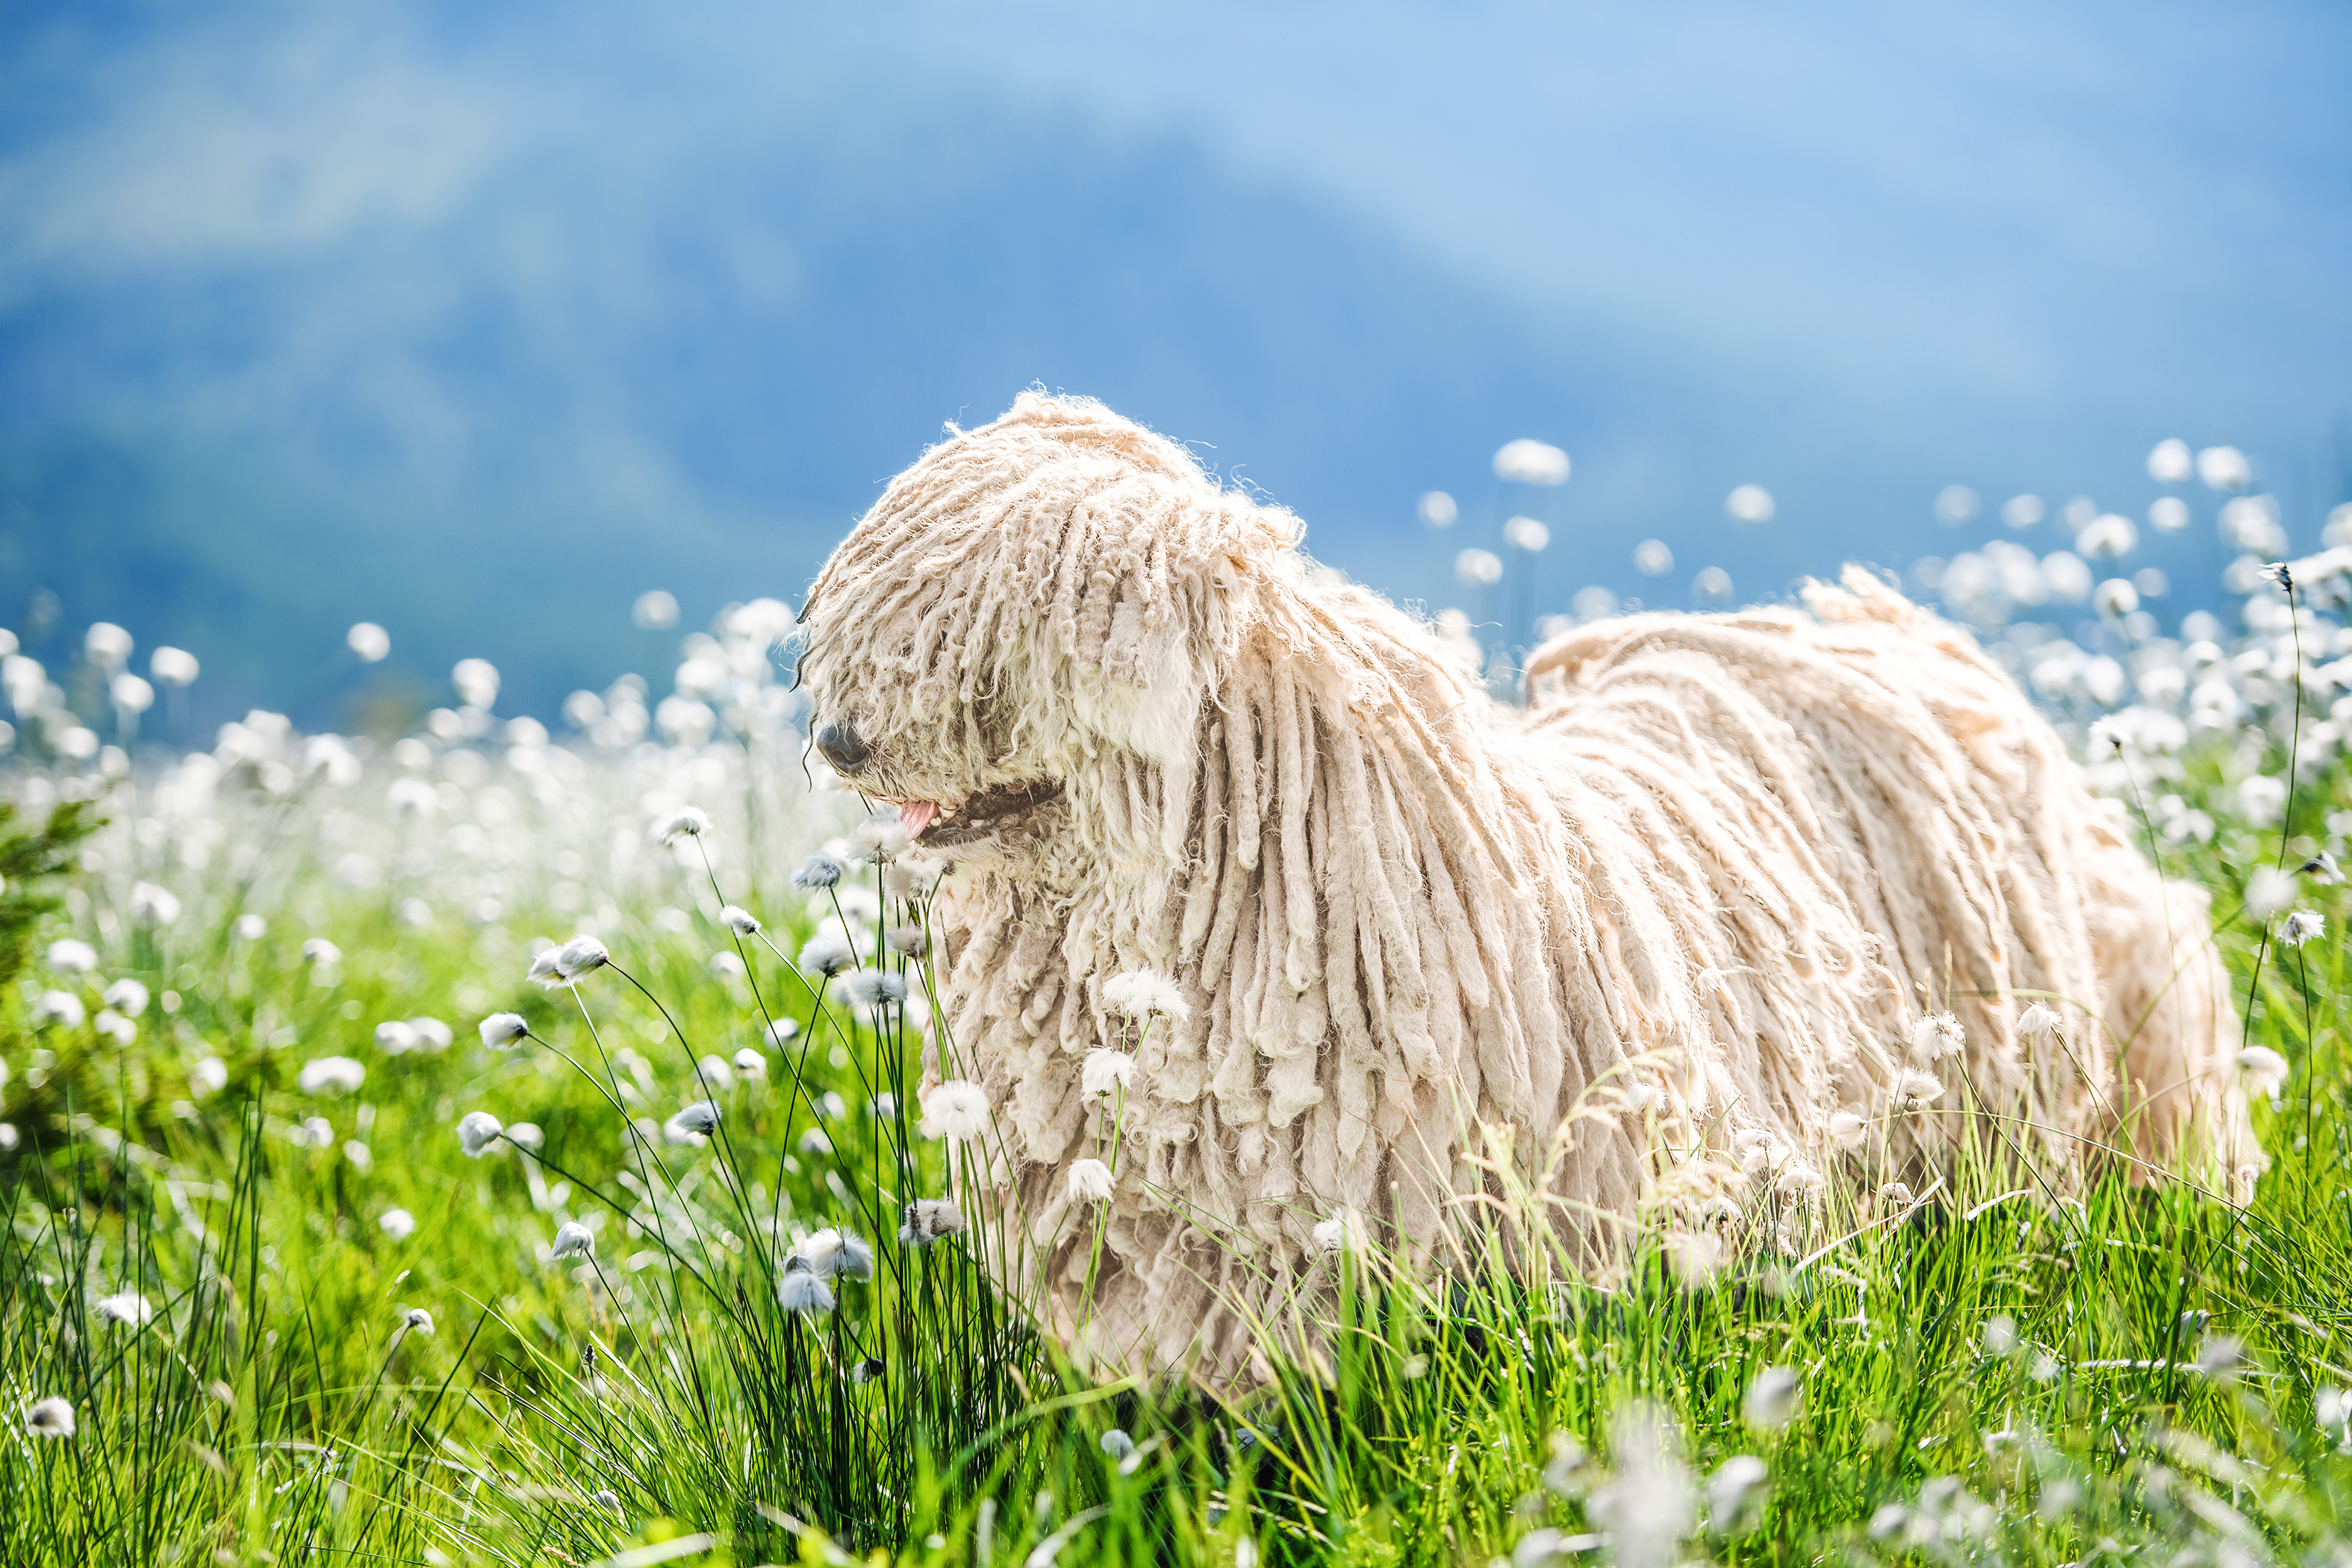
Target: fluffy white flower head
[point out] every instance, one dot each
(1146, 993)
(2039, 1022)
(688, 822)
(62, 1008)
(1343, 1232)
(329, 1076)
(478, 1133)
(1106, 1072)
(800, 1290)
(741, 922)
(501, 1030)
(573, 1239)
(956, 1108)
(128, 1308)
(2302, 926)
(1090, 1182)
(72, 955)
(50, 1417)
(1937, 1035)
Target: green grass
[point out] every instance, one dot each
(1982, 1377)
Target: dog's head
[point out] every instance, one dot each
(1032, 608)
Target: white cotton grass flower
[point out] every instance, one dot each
(1106, 1073)
(153, 905)
(61, 1008)
(2323, 869)
(1731, 1490)
(1648, 1504)
(501, 1030)
(128, 1308)
(72, 955)
(114, 1027)
(431, 1034)
(686, 822)
(1525, 533)
(1478, 568)
(478, 1133)
(320, 954)
(108, 645)
(1896, 1193)
(2039, 1022)
(1798, 1179)
(1342, 1232)
(1117, 1444)
(416, 1321)
(957, 1109)
(128, 997)
(2269, 890)
(174, 666)
(726, 965)
(881, 836)
(1937, 1035)
(692, 1124)
(573, 1239)
(368, 642)
(1090, 1182)
(931, 1220)
(1847, 1129)
(874, 988)
(751, 1065)
(739, 920)
(1750, 505)
(2171, 463)
(2302, 926)
(779, 1032)
(800, 1290)
(326, 1075)
(837, 1255)
(1773, 1399)
(817, 873)
(826, 952)
(2225, 469)
(1527, 461)
(397, 1223)
(2264, 1070)
(394, 1038)
(908, 942)
(1138, 993)
(50, 1417)
(1916, 1091)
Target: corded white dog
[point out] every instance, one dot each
(1737, 906)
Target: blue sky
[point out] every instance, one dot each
(478, 321)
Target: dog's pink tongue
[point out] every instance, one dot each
(915, 816)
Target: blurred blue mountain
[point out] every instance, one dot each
(479, 323)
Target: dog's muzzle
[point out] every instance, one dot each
(838, 743)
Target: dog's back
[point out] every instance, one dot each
(1925, 845)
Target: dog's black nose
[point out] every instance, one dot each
(839, 742)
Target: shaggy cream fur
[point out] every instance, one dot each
(1674, 933)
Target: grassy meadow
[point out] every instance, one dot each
(300, 1309)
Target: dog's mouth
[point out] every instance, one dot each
(991, 811)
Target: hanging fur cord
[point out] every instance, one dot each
(1701, 892)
